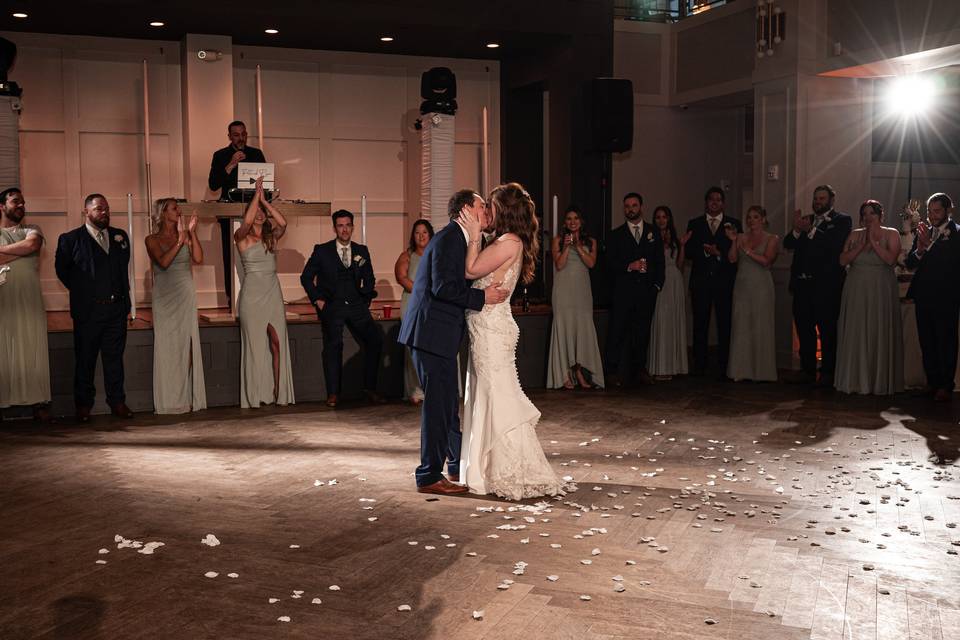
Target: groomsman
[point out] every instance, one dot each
(711, 279)
(635, 258)
(92, 263)
(339, 281)
(935, 256)
(816, 281)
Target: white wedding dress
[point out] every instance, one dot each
(501, 453)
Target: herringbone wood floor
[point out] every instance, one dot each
(773, 511)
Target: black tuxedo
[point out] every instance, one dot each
(346, 293)
(936, 297)
(433, 327)
(634, 296)
(711, 287)
(816, 282)
(99, 288)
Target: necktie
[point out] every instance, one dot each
(714, 222)
(636, 233)
(343, 257)
(102, 241)
(817, 220)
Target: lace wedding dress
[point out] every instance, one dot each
(501, 452)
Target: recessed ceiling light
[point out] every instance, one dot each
(493, 45)
(156, 23)
(20, 15)
(270, 31)
(386, 38)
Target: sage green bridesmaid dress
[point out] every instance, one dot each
(753, 347)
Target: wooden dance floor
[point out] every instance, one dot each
(703, 511)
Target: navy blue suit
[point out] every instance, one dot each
(99, 288)
(346, 293)
(433, 327)
(936, 298)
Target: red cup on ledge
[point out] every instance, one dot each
(387, 311)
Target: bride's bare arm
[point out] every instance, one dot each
(481, 263)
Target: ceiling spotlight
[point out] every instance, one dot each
(493, 45)
(19, 14)
(271, 31)
(909, 96)
(386, 38)
(156, 23)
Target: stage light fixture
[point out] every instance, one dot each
(386, 38)
(271, 31)
(20, 14)
(909, 96)
(493, 45)
(156, 23)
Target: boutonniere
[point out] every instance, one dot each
(650, 237)
(359, 260)
(119, 239)
(946, 233)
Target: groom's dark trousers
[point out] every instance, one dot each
(433, 328)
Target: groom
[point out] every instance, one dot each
(433, 327)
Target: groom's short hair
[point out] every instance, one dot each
(459, 200)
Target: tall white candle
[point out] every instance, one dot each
(555, 229)
(130, 268)
(259, 88)
(486, 156)
(363, 219)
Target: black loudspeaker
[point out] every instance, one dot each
(611, 114)
(438, 88)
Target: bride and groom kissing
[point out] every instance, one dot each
(496, 450)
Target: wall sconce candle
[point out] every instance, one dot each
(771, 27)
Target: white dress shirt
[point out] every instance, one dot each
(340, 248)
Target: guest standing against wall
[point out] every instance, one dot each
(178, 385)
(753, 347)
(405, 271)
(24, 358)
(934, 289)
(266, 376)
(574, 352)
(667, 354)
(816, 281)
(92, 262)
(635, 260)
(870, 333)
(711, 280)
(340, 283)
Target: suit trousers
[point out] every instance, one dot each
(816, 310)
(440, 436)
(357, 318)
(628, 332)
(937, 325)
(103, 334)
(715, 294)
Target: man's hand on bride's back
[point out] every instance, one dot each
(494, 294)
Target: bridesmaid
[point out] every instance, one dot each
(667, 355)
(265, 373)
(753, 349)
(574, 351)
(870, 333)
(178, 385)
(405, 271)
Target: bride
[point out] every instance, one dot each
(502, 453)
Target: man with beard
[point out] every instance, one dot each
(635, 259)
(816, 281)
(92, 263)
(24, 359)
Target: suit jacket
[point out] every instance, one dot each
(319, 275)
(622, 249)
(818, 257)
(708, 268)
(434, 319)
(221, 181)
(77, 268)
(937, 271)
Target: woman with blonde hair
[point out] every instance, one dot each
(178, 384)
(502, 454)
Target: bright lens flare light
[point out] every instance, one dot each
(910, 96)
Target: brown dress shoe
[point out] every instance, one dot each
(942, 395)
(443, 487)
(453, 478)
(645, 378)
(83, 414)
(121, 411)
(332, 400)
(42, 414)
(373, 397)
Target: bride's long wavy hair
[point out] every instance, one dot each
(516, 213)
